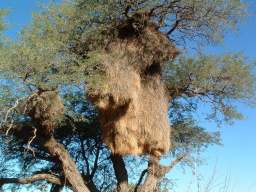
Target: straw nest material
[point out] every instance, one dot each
(133, 102)
(45, 108)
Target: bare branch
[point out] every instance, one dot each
(31, 140)
(174, 27)
(95, 165)
(143, 173)
(17, 102)
(28, 180)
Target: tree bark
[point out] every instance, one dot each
(150, 182)
(38, 177)
(120, 172)
(70, 170)
(56, 188)
(90, 184)
(155, 172)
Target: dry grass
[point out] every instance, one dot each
(45, 108)
(133, 102)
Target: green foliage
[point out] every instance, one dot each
(2, 14)
(62, 45)
(209, 19)
(216, 80)
(188, 137)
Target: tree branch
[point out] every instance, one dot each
(84, 155)
(95, 164)
(163, 6)
(120, 172)
(56, 188)
(70, 170)
(38, 177)
(143, 173)
(174, 27)
(165, 169)
(156, 171)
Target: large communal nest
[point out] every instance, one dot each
(45, 108)
(133, 102)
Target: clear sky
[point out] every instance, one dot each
(237, 158)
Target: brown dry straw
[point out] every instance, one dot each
(45, 108)
(133, 102)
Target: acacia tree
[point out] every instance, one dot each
(62, 49)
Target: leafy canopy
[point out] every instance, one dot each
(60, 45)
(60, 48)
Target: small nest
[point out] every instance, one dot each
(133, 102)
(45, 109)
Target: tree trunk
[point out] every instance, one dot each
(120, 172)
(70, 170)
(155, 172)
(152, 178)
(150, 183)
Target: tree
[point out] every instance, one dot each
(61, 53)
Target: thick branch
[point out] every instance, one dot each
(90, 184)
(120, 172)
(156, 172)
(38, 177)
(70, 170)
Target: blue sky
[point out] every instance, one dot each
(237, 158)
